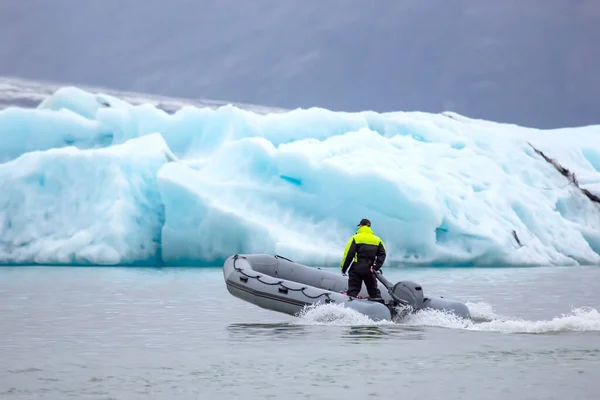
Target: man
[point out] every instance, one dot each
(368, 253)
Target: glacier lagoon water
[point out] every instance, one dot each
(176, 333)
(91, 178)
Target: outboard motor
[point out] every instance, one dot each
(410, 292)
(406, 293)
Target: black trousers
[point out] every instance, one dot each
(358, 274)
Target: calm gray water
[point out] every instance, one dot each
(125, 333)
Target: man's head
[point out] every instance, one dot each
(364, 222)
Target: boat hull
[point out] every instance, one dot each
(275, 283)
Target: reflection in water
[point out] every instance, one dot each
(357, 333)
(277, 330)
(365, 333)
(360, 333)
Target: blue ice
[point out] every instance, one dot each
(89, 178)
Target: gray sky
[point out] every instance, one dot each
(530, 62)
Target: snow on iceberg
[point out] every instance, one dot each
(439, 188)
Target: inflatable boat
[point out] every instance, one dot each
(279, 284)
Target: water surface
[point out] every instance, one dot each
(129, 333)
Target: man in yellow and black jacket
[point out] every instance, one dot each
(368, 253)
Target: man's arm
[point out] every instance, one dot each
(349, 253)
(381, 254)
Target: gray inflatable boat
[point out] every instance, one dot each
(279, 284)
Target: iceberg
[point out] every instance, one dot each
(67, 206)
(92, 179)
